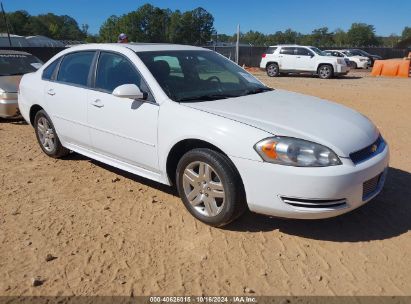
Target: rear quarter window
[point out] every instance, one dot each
(49, 70)
(271, 50)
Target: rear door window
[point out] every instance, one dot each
(75, 68)
(287, 51)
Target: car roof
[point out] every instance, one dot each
(139, 47)
(12, 52)
(290, 45)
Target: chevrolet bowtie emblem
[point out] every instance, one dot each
(373, 148)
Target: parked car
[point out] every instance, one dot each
(225, 140)
(13, 64)
(355, 61)
(301, 59)
(340, 55)
(371, 57)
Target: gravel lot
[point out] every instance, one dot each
(111, 233)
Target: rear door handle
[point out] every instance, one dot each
(51, 92)
(97, 103)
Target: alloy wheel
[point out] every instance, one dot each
(325, 72)
(203, 188)
(46, 134)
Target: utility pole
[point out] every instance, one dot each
(237, 45)
(6, 23)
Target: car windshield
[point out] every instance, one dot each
(18, 64)
(364, 53)
(348, 53)
(356, 53)
(318, 51)
(191, 76)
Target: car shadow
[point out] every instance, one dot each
(386, 216)
(346, 77)
(147, 182)
(13, 121)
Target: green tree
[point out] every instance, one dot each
(361, 34)
(406, 33)
(152, 24)
(321, 37)
(109, 29)
(18, 22)
(254, 38)
(340, 37)
(390, 41)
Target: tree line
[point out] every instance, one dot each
(153, 24)
(359, 34)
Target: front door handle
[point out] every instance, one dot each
(97, 103)
(51, 92)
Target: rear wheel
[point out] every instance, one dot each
(273, 70)
(210, 187)
(47, 136)
(325, 71)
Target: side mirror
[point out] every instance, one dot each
(129, 91)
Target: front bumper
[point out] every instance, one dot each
(362, 64)
(9, 108)
(267, 184)
(341, 69)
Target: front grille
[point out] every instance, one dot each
(369, 151)
(313, 203)
(370, 186)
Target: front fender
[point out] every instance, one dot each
(178, 122)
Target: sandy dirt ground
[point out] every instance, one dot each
(111, 233)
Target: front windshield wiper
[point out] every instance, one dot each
(208, 97)
(258, 90)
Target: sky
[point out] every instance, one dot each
(388, 17)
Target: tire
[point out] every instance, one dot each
(47, 136)
(273, 70)
(325, 71)
(354, 65)
(215, 200)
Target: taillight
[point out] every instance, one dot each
(263, 55)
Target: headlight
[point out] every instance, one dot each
(362, 59)
(296, 152)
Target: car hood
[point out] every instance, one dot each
(291, 114)
(10, 83)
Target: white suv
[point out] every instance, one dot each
(301, 59)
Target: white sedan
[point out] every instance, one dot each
(189, 117)
(357, 62)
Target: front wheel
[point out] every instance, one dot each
(47, 136)
(210, 187)
(325, 71)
